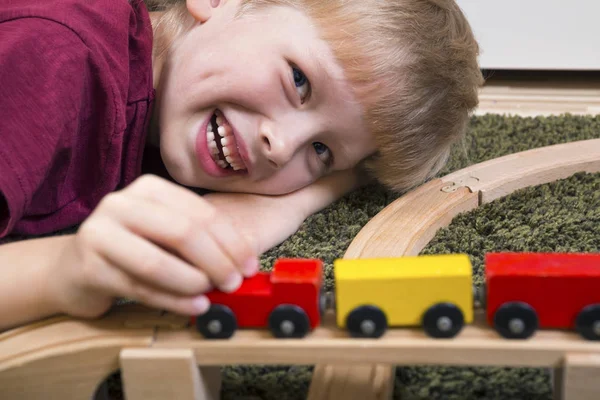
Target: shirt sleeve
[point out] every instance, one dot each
(43, 76)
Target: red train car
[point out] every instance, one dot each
(528, 291)
(288, 300)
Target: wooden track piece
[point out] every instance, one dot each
(164, 374)
(406, 225)
(577, 378)
(66, 358)
(476, 344)
(501, 176)
(363, 382)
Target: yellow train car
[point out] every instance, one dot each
(432, 291)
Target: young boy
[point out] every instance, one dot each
(277, 105)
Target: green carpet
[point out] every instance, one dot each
(560, 216)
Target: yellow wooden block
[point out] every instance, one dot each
(404, 288)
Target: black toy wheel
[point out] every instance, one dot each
(289, 321)
(516, 320)
(366, 322)
(219, 322)
(588, 322)
(443, 320)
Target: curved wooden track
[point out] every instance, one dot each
(67, 358)
(406, 226)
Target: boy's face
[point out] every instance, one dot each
(286, 114)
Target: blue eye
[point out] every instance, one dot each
(323, 153)
(320, 148)
(302, 84)
(299, 77)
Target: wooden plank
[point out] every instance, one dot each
(527, 97)
(534, 109)
(162, 374)
(577, 378)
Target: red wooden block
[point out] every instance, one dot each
(547, 290)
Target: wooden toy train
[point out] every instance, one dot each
(523, 292)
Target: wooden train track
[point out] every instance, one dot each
(159, 354)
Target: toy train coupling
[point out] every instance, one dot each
(479, 296)
(327, 301)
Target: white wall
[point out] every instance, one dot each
(536, 34)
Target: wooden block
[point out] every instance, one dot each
(164, 374)
(578, 379)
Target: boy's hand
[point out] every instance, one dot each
(154, 242)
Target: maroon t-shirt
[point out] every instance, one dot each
(76, 93)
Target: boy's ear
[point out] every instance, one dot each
(201, 10)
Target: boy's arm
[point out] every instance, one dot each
(25, 276)
(32, 272)
(269, 220)
(327, 190)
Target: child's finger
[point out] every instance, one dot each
(237, 247)
(177, 231)
(115, 281)
(142, 259)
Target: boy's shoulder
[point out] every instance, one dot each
(114, 37)
(76, 79)
(96, 22)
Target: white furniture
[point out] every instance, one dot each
(536, 34)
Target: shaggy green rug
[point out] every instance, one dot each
(560, 216)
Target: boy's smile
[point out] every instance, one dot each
(256, 104)
(219, 149)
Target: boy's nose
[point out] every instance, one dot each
(275, 148)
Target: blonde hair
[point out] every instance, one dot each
(412, 65)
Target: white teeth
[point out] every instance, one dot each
(225, 135)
